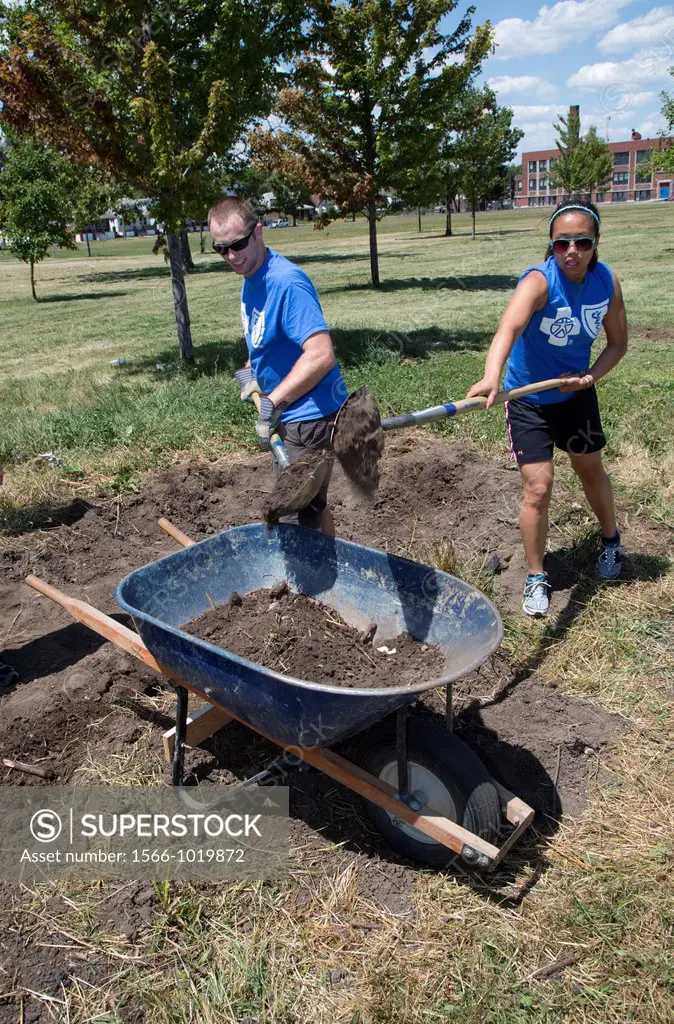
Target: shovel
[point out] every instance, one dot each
(358, 438)
(298, 482)
(449, 409)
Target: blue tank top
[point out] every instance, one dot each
(559, 338)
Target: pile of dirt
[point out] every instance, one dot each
(80, 703)
(359, 440)
(299, 636)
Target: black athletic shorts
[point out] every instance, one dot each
(298, 438)
(573, 426)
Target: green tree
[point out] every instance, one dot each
(484, 146)
(585, 162)
(362, 94)
(36, 202)
(146, 90)
(663, 158)
(91, 196)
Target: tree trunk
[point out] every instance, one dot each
(86, 238)
(472, 210)
(32, 279)
(180, 298)
(186, 252)
(448, 215)
(202, 244)
(353, 216)
(374, 256)
(294, 218)
(419, 218)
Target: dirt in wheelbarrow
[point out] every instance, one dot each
(299, 636)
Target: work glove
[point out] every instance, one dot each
(267, 421)
(248, 385)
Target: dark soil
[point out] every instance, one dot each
(296, 486)
(302, 637)
(80, 700)
(359, 440)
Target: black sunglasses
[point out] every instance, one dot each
(237, 246)
(583, 244)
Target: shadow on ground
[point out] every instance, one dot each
(464, 283)
(352, 347)
(43, 515)
(77, 296)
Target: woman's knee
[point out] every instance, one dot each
(537, 490)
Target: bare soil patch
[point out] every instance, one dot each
(80, 701)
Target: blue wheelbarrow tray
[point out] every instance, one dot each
(363, 584)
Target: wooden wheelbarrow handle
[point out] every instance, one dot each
(441, 412)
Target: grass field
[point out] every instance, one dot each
(604, 891)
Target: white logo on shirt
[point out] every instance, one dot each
(253, 324)
(593, 317)
(563, 327)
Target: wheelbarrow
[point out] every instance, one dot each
(424, 788)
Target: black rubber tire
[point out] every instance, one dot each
(458, 769)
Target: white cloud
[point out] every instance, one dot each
(651, 28)
(529, 111)
(555, 27)
(515, 85)
(632, 77)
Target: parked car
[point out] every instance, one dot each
(282, 223)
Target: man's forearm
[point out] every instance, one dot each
(305, 374)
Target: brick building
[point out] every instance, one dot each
(630, 182)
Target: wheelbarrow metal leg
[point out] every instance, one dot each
(179, 742)
(449, 707)
(401, 750)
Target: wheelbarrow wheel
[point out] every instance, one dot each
(443, 773)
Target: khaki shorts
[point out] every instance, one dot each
(299, 438)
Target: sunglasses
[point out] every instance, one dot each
(237, 246)
(583, 244)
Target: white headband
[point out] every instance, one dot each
(584, 209)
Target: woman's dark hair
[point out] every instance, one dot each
(580, 204)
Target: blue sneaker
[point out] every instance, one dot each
(536, 599)
(609, 563)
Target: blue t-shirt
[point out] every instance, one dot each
(279, 311)
(559, 338)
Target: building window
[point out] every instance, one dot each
(519, 185)
(553, 163)
(619, 197)
(541, 200)
(542, 183)
(621, 158)
(532, 167)
(552, 200)
(600, 197)
(643, 156)
(642, 194)
(643, 177)
(542, 165)
(532, 184)
(532, 201)
(620, 177)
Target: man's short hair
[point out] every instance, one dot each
(230, 206)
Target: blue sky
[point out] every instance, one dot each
(610, 56)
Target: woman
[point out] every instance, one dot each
(547, 330)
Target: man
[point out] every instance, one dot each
(291, 360)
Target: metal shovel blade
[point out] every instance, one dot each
(297, 485)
